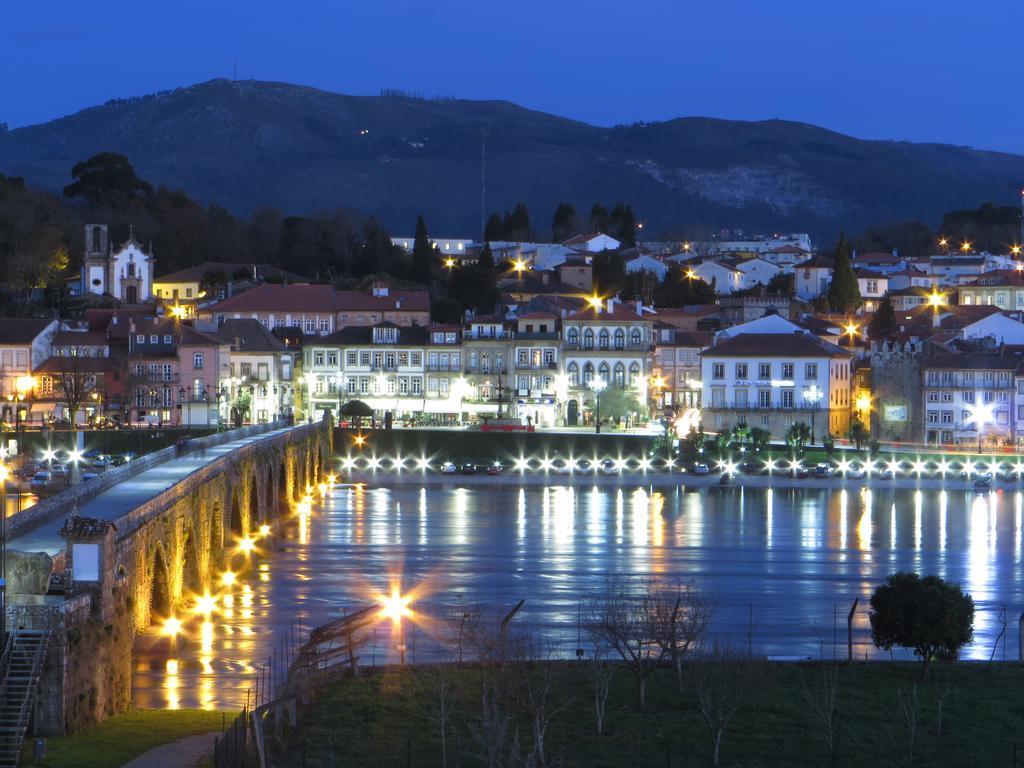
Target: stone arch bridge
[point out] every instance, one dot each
(138, 544)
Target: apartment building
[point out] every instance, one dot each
(970, 398)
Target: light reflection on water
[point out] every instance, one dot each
(784, 566)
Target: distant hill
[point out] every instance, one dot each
(246, 145)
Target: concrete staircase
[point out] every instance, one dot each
(20, 667)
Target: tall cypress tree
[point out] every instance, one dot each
(423, 254)
(517, 224)
(565, 223)
(623, 225)
(494, 229)
(843, 291)
(599, 221)
(883, 324)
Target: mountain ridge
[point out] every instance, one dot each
(252, 144)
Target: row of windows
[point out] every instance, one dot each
(140, 338)
(763, 399)
(764, 371)
(969, 396)
(966, 418)
(615, 376)
(967, 378)
(604, 338)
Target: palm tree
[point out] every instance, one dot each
(797, 435)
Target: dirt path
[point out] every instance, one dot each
(184, 753)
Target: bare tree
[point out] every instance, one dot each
(538, 693)
(722, 680)
(600, 672)
(823, 710)
(679, 614)
(437, 702)
(911, 712)
(74, 378)
(622, 621)
(494, 732)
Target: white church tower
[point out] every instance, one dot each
(125, 273)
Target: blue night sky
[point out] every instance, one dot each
(922, 70)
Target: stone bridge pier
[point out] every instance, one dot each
(178, 546)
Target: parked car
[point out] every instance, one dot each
(467, 468)
(89, 476)
(59, 470)
(585, 466)
(700, 468)
(608, 467)
(799, 470)
(823, 469)
(1008, 475)
(92, 453)
(855, 470)
(41, 480)
(101, 462)
(753, 467)
(449, 468)
(562, 467)
(118, 460)
(494, 468)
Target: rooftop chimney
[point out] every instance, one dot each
(611, 305)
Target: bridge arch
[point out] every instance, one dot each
(235, 525)
(160, 603)
(192, 580)
(255, 508)
(283, 501)
(216, 548)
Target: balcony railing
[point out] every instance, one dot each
(536, 366)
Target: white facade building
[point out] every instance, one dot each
(125, 273)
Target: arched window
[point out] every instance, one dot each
(603, 372)
(499, 361)
(620, 338)
(635, 337)
(620, 375)
(588, 374)
(574, 375)
(602, 339)
(588, 339)
(634, 374)
(572, 336)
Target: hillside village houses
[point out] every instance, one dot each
(219, 344)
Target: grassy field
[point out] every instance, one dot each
(123, 737)
(966, 715)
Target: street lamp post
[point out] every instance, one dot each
(981, 415)
(3, 555)
(813, 395)
(598, 386)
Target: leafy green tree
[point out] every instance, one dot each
(782, 284)
(107, 180)
(516, 226)
(759, 439)
(859, 434)
(494, 229)
(829, 444)
(883, 323)
(617, 403)
(843, 291)
(797, 435)
(424, 254)
(692, 445)
(928, 615)
(609, 270)
(565, 223)
(677, 290)
(623, 225)
(600, 221)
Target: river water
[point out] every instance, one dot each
(783, 567)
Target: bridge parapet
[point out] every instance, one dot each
(61, 504)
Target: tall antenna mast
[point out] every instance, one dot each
(1020, 240)
(483, 180)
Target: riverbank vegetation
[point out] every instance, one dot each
(124, 737)
(809, 714)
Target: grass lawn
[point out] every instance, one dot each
(119, 739)
(382, 719)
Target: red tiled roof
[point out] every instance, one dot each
(997, 277)
(320, 298)
(619, 313)
(773, 344)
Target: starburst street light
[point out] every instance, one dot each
(395, 606)
(979, 414)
